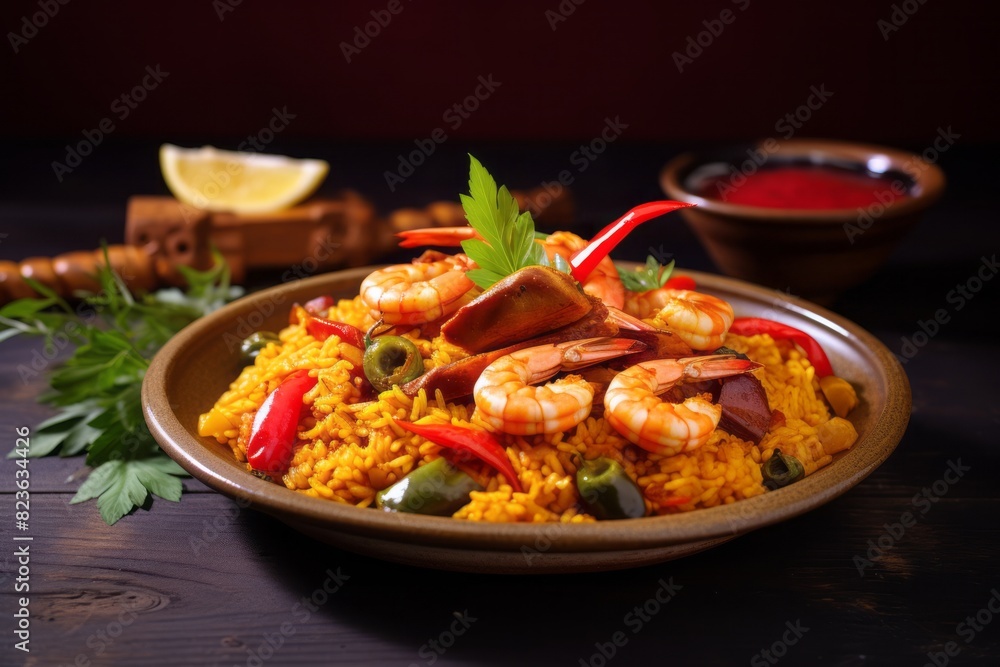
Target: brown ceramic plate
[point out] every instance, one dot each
(198, 364)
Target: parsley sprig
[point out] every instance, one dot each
(114, 335)
(648, 277)
(508, 236)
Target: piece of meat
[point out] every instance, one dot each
(745, 412)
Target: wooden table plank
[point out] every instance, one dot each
(207, 601)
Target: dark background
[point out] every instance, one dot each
(229, 69)
(606, 58)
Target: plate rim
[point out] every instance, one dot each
(194, 455)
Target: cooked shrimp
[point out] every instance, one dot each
(632, 406)
(603, 282)
(426, 290)
(700, 320)
(506, 399)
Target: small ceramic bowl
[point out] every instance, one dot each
(816, 252)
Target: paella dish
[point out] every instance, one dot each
(525, 377)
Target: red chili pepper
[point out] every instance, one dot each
(748, 326)
(273, 432)
(320, 305)
(587, 259)
(480, 444)
(321, 328)
(680, 282)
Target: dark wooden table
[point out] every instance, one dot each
(204, 582)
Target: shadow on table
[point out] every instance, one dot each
(748, 592)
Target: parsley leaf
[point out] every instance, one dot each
(122, 485)
(508, 236)
(649, 277)
(114, 335)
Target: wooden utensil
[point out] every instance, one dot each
(162, 233)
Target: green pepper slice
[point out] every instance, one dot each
(607, 491)
(392, 360)
(781, 470)
(437, 488)
(255, 342)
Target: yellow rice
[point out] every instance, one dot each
(350, 448)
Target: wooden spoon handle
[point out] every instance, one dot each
(77, 271)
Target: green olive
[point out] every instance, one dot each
(436, 488)
(255, 342)
(392, 360)
(607, 491)
(781, 470)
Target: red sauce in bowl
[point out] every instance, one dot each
(803, 187)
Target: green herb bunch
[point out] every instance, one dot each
(650, 276)
(113, 335)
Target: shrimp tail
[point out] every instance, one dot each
(628, 322)
(577, 354)
(662, 344)
(669, 372)
(716, 366)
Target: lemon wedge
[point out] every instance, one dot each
(219, 180)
